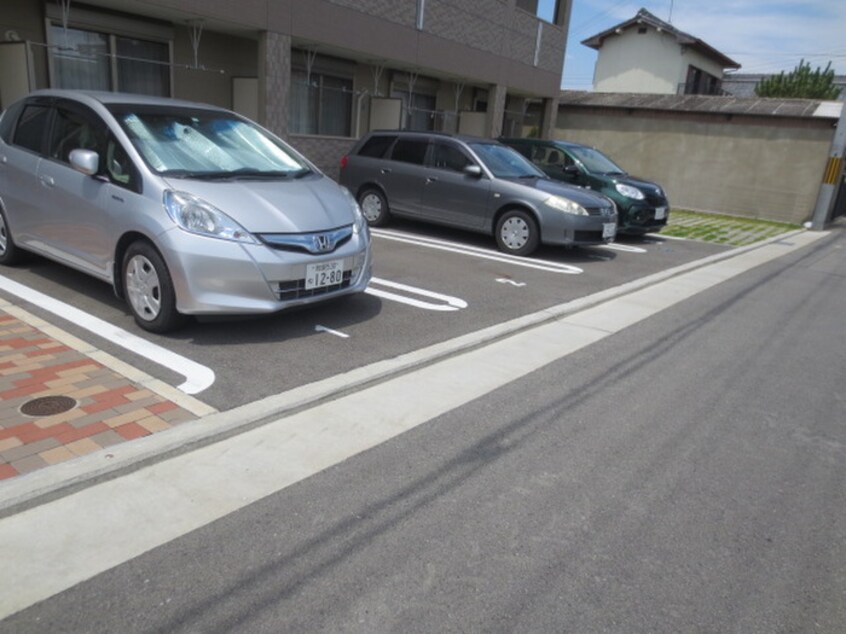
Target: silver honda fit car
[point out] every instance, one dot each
(185, 208)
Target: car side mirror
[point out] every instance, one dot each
(473, 170)
(571, 170)
(85, 161)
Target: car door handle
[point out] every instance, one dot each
(48, 181)
(385, 170)
(431, 179)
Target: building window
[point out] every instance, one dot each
(701, 83)
(91, 60)
(320, 104)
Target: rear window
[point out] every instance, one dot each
(410, 151)
(31, 126)
(377, 146)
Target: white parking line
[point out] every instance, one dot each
(451, 303)
(614, 246)
(197, 377)
(487, 254)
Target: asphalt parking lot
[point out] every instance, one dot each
(430, 285)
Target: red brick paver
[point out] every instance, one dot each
(110, 409)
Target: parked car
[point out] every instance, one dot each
(472, 183)
(642, 204)
(185, 208)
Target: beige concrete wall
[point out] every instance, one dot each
(754, 167)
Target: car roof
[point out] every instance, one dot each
(466, 138)
(110, 98)
(558, 142)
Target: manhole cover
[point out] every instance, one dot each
(48, 405)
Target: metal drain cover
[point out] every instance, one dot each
(48, 405)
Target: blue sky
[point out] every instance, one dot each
(763, 37)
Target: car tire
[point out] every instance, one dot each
(374, 207)
(148, 289)
(9, 252)
(517, 232)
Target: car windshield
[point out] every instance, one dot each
(503, 162)
(196, 143)
(595, 161)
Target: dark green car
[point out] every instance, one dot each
(642, 205)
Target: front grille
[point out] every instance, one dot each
(313, 243)
(607, 210)
(295, 289)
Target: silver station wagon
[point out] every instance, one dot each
(475, 184)
(186, 209)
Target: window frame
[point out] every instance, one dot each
(113, 28)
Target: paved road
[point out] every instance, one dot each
(685, 473)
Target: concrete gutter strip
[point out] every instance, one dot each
(45, 485)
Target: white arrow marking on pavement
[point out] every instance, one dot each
(503, 280)
(452, 303)
(198, 377)
(337, 333)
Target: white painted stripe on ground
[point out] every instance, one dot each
(197, 377)
(54, 546)
(329, 331)
(450, 303)
(486, 254)
(626, 248)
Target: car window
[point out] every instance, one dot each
(449, 157)
(410, 151)
(198, 143)
(504, 162)
(119, 166)
(31, 126)
(377, 146)
(7, 122)
(73, 131)
(595, 161)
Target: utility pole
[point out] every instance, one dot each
(831, 178)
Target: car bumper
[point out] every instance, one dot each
(213, 276)
(641, 218)
(570, 230)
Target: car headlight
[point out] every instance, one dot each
(565, 205)
(197, 216)
(629, 192)
(360, 225)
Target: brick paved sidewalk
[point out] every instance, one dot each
(105, 408)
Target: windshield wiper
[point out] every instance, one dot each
(303, 172)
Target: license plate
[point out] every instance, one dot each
(609, 229)
(660, 213)
(324, 274)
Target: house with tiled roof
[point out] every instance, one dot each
(648, 55)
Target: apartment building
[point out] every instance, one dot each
(317, 72)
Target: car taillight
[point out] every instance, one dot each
(344, 161)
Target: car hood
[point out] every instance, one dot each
(647, 187)
(583, 197)
(305, 205)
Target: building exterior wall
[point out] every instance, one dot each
(480, 44)
(649, 62)
(757, 167)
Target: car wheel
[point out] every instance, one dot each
(517, 233)
(149, 289)
(9, 253)
(374, 207)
